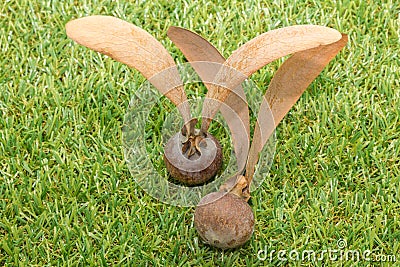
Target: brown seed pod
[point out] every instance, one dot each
(224, 220)
(206, 60)
(193, 160)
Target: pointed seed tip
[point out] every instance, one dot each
(69, 27)
(174, 30)
(171, 29)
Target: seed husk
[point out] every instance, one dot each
(193, 160)
(224, 220)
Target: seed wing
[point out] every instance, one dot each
(259, 52)
(286, 87)
(134, 47)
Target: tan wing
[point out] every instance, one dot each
(286, 87)
(134, 47)
(260, 51)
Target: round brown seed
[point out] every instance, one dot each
(224, 220)
(199, 167)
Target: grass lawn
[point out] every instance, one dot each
(68, 198)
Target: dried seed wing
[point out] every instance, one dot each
(259, 52)
(202, 55)
(194, 47)
(286, 87)
(134, 47)
(275, 44)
